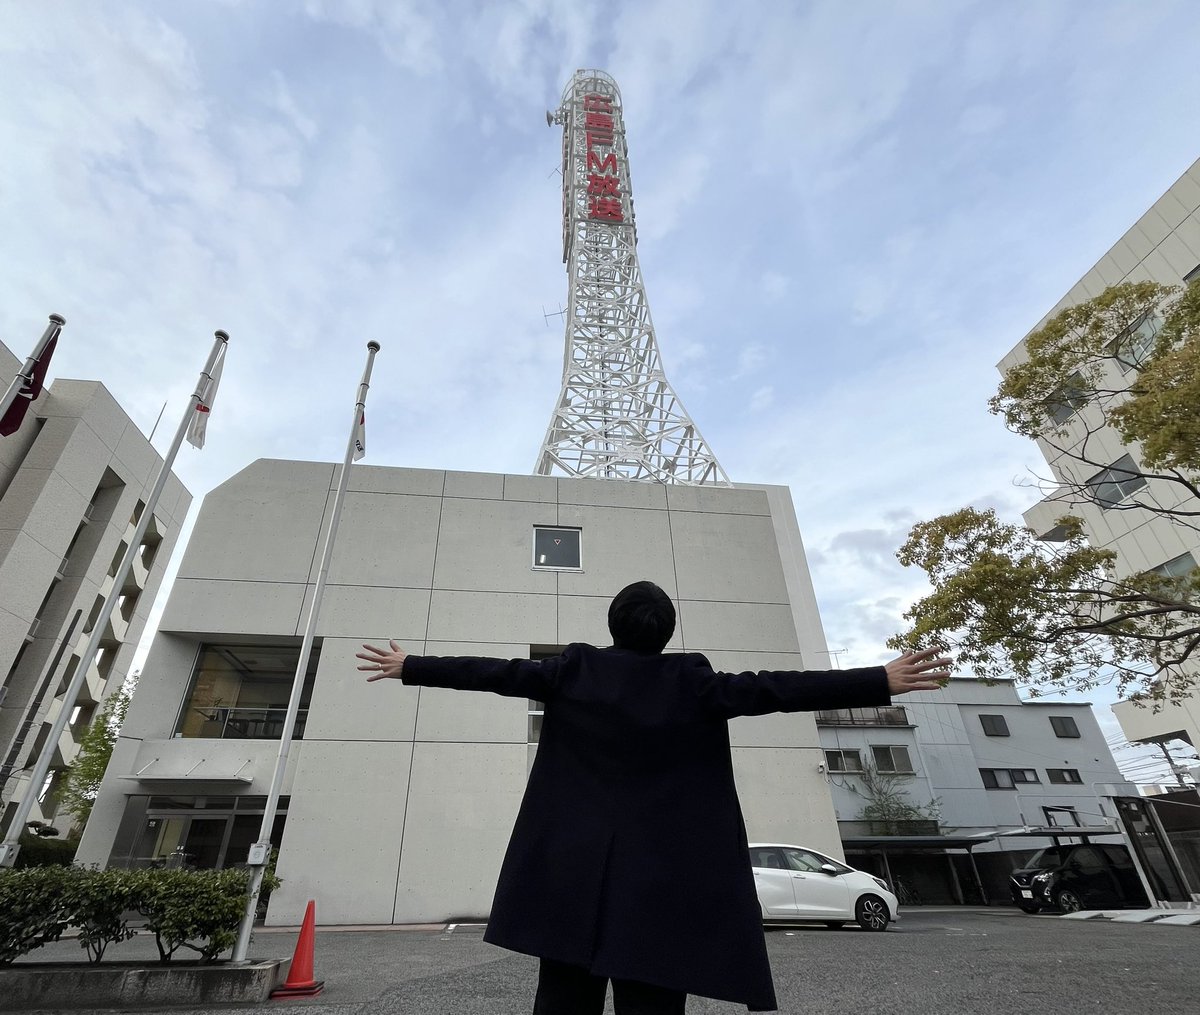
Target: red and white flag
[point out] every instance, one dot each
(195, 434)
(360, 437)
(29, 392)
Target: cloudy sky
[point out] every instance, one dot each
(847, 214)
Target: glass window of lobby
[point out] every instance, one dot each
(240, 692)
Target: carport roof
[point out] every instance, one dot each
(915, 841)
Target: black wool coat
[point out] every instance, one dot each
(629, 853)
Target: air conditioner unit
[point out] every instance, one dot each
(33, 628)
(87, 513)
(61, 570)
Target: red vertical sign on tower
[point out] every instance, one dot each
(603, 178)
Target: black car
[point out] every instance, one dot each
(1071, 878)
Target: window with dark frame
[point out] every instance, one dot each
(994, 725)
(1133, 346)
(844, 761)
(1062, 817)
(996, 778)
(1064, 726)
(1064, 776)
(1109, 487)
(891, 759)
(1176, 567)
(557, 549)
(1026, 775)
(1068, 399)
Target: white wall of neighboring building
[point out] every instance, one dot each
(71, 479)
(1163, 246)
(402, 799)
(948, 748)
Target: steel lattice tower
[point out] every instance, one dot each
(617, 416)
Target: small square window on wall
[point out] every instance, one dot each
(994, 725)
(1064, 726)
(557, 549)
(1064, 776)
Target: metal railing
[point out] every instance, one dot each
(249, 723)
(887, 715)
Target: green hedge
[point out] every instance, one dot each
(39, 851)
(197, 910)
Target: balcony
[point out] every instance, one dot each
(887, 715)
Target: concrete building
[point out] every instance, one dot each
(399, 801)
(982, 764)
(72, 479)
(1162, 246)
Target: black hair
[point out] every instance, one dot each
(641, 617)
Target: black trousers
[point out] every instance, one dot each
(571, 990)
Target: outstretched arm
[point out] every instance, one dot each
(733, 694)
(517, 678)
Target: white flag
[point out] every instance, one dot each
(360, 437)
(199, 424)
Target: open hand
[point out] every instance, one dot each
(381, 662)
(918, 671)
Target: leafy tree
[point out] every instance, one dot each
(82, 781)
(888, 799)
(1118, 373)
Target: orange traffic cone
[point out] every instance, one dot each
(300, 982)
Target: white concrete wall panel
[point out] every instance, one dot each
(385, 540)
(227, 607)
(750, 627)
(487, 545)
(242, 531)
(732, 558)
(456, 829)
(345, 825)
(784, 797)
(460, 716)
(493, 617)
(345, 707)
(620, 545)
(369, 611)
(602, 493)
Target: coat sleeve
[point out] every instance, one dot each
(750, 693)
(514, 678)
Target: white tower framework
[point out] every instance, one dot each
(617, 416)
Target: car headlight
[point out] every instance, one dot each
(881, 883)
(1044, 877)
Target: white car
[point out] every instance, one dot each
(799, 884)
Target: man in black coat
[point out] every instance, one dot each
(628, 860)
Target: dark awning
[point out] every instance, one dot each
(915, 841)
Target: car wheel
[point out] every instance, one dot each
(1068, 901)
(871, 912)
(1029, 907)
(835, 924)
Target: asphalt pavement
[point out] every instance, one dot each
(934, 962)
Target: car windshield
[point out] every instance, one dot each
(1051, 856)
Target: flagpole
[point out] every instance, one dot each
(25, 374)
(11, 845)
(260, 851)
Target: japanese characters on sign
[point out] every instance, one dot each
(603, 179)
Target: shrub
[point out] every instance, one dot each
(198, 910)
(99, 902)
(38, 851)
(195, 909)
(34, 908)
